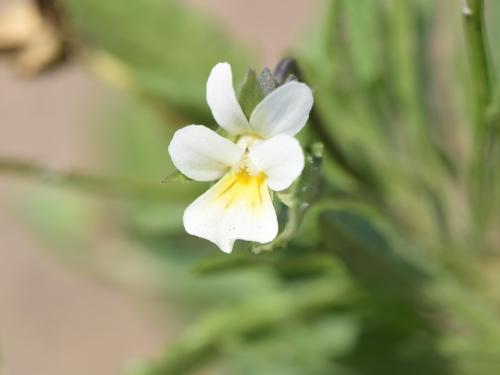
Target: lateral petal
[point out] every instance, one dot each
(280, 158)
(201, 154)
(283, 111)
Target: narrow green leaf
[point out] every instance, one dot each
(367, 252)
(364, 38)
(220, 263)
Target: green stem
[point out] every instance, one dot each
(480, 67)
(94, 183)
(481, 95)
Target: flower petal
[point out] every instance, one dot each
(280, 158)
(223, 102)
(239, 206)
(202, 154)
(283, 111)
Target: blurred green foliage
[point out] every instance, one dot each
(392, 268)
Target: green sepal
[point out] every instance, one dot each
(175, 176)
(250, 93)
(267, 81)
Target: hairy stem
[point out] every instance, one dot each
(481, 77)
(481, 95)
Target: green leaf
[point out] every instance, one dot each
(250, 93)
(220, 264)
(364, 37)
(258, 315)
(397, 333)
(367, 252)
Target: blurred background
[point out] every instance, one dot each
(387, 259)
(55, 318)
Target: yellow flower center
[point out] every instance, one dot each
(240, 186)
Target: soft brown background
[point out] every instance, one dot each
(54, 319)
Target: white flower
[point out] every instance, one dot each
(265, 157)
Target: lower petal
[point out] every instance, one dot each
(238, 207)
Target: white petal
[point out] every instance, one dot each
(280, 158)
(239, 206)
(283, 111)
(202, 154)
(222, 100)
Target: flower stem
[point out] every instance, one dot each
(481, 77)
(481, 93)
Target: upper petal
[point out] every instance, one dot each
(239, 206)
(222, 100)
(280, 158)
(202, 154)
(283, 111)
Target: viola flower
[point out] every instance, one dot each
(265, 157)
